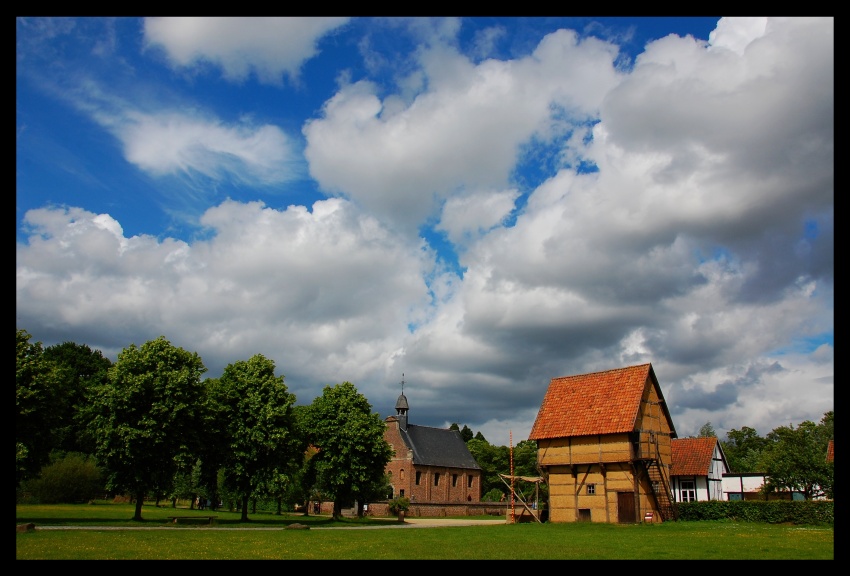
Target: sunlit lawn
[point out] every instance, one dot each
(670, 540)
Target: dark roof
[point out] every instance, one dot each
(692, 456)
(438, 447)
(598, 403)
(401, 403)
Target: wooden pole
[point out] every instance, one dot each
(513, 507)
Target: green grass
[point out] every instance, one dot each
(670, 540)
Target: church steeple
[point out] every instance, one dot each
(401, 407)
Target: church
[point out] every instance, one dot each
(430, 465)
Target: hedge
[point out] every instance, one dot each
(771, 511)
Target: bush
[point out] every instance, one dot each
(400, 504)
(772, 511)
(494, 495)
(69, 479)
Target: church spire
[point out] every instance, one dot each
(401, 407)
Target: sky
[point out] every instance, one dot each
(457, 208)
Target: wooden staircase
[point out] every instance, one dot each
(658, 475)
(661, 490)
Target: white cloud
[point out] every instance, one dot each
(270, 47)
(470, 123)
(168, 143)
(467, 216)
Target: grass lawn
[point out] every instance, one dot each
(574, 541)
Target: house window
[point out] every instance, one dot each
(688, 491)
(418, 477)
(454, 480)
(469, 481)
(591, 488)
(401, 493)
(436, 479)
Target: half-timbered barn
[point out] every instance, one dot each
(604, 447)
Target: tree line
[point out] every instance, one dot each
(148, 425)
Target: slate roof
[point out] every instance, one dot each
(438, 447)
(692, 456)
(598, 403)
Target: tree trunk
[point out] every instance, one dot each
(244, 509)
(337, 513)
(140, 499)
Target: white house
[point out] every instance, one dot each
(698, 469)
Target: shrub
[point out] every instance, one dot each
(400, 504)
(773, 511)
(69, 479)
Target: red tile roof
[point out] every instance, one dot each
(599, 403)
(692, 456)
(830, 451)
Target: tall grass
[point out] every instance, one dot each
(160, 540)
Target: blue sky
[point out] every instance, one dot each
(478, 204)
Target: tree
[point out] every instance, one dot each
(38, 407)
(466, 433)
(707, 430)
(744, 449)
(493, 460)
(480, 436)
(146, 419)
(261, 442)
(79, 368)
(796, 460)
(352, 453)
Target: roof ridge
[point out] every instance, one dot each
(624, 368)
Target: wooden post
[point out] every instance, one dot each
(513, 508)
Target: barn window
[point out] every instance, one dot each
(469, 481)
(418, 477)
(688, 491)
(584, 514)
(454, 480)
(591, 488)
(436, 479)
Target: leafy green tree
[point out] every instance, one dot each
(38, 407)
(707, 430)
(79, 368)
(262, 444)
(466, 433)
(493, 460)
(796, 460)
(352, 453)
(146, 418)
(744, 450)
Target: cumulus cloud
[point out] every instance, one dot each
(269, 47)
